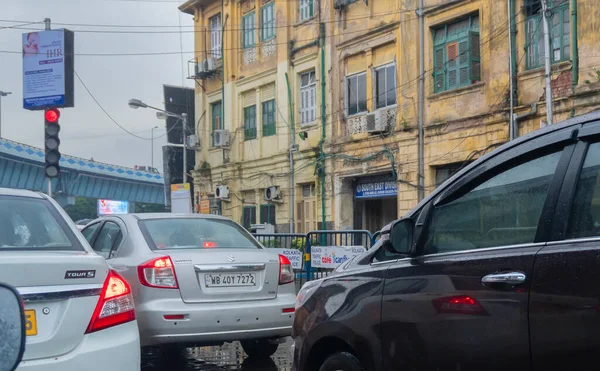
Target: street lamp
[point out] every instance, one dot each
(2, 94)
(136, 103)
(152, 146)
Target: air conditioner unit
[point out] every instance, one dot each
(205, 66)
(272, 193)
(377, 121)
(222, 192)
(193, 142)
(221, 138)
(262, 228)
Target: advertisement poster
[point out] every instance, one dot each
(111, 207)
(332, 256)
(181, 199)
(47, 69)
(294, 255)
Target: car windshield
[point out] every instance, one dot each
(192, 233)
(28, 223)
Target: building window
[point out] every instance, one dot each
(267, 214)
(308, 98)
(267, 26)
(250, 122)
(456, 56)
(248, 30)
(215, 35)
(268, 118)
(445, 172)
(385, 85)
(216, 114)
(306, 9)
(248, 216)
(560, 32)
(306, 210)
(356, 93)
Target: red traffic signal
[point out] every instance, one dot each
(52, 115)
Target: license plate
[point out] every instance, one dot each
(229, 279)
(30, 322)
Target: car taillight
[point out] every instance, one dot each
(115, 305)
(158, 273)
(286, 273)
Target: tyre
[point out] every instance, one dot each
(259, 348)
(342, 362)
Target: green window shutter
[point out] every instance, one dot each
(438, 70)
(268, 118)
(463, 67)
(267, 214)
(250, 123)
(248, 216)
(267, 22)
(311, 6)
(474, 57)
(452, 65)
(216, 117)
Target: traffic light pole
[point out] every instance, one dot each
(48, 28)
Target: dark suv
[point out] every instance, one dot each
(498, 269)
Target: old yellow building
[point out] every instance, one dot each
(359, 165)
(258, 71)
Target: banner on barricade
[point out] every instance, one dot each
(294, 255)
(332, 256)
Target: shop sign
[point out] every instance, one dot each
(383, 188)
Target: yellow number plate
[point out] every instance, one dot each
(30, 323)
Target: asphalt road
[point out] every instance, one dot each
(227, 357)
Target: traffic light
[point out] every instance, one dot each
(52, 128)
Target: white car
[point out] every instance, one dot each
(79, 313)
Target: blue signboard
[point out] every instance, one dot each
(376, 188)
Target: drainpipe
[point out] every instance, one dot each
(547, 62)
(222, 69)
(323, 122)
(421, 171)
(292, 146)
(512, 42)
(574, 52)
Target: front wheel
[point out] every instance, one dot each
(342, 362)
(259, 348)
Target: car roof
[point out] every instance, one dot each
(20, 193)
(564, 125)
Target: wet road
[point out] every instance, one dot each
(227, 357)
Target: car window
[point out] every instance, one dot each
(109, 237)
(503, 210)
(584, 220)
(88, 232)
(28, 223)
(181, 233)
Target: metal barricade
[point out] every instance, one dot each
(329, 249)
(290, 241)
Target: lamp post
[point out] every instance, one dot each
(2, 94)
(136, 103)
(152, 147)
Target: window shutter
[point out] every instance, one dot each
(438, 71)
(310, 8)
(475, 57)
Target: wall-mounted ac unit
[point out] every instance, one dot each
(206, 66)
(377, 121)
(221, 138)
(193, 142)
(272, 193)
(222, 192)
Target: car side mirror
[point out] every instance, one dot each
(12, 328)
(401, 236)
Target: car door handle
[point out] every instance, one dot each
(511, 278)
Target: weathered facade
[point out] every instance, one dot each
(363, 167)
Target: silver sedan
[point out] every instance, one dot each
(199, 280)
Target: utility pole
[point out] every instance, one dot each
(184, 123)
(421, 166)
(2, 94)
(152, 147)
(547, 61)
(48, 27)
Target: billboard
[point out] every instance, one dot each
(181, 201)
(48, 69)
(332, 256)
(112, 207)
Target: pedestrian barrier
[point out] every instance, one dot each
(316, 254)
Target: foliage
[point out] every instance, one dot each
(84, 208)
(595, 75)
(141, 207)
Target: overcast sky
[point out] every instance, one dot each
(85, 130)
